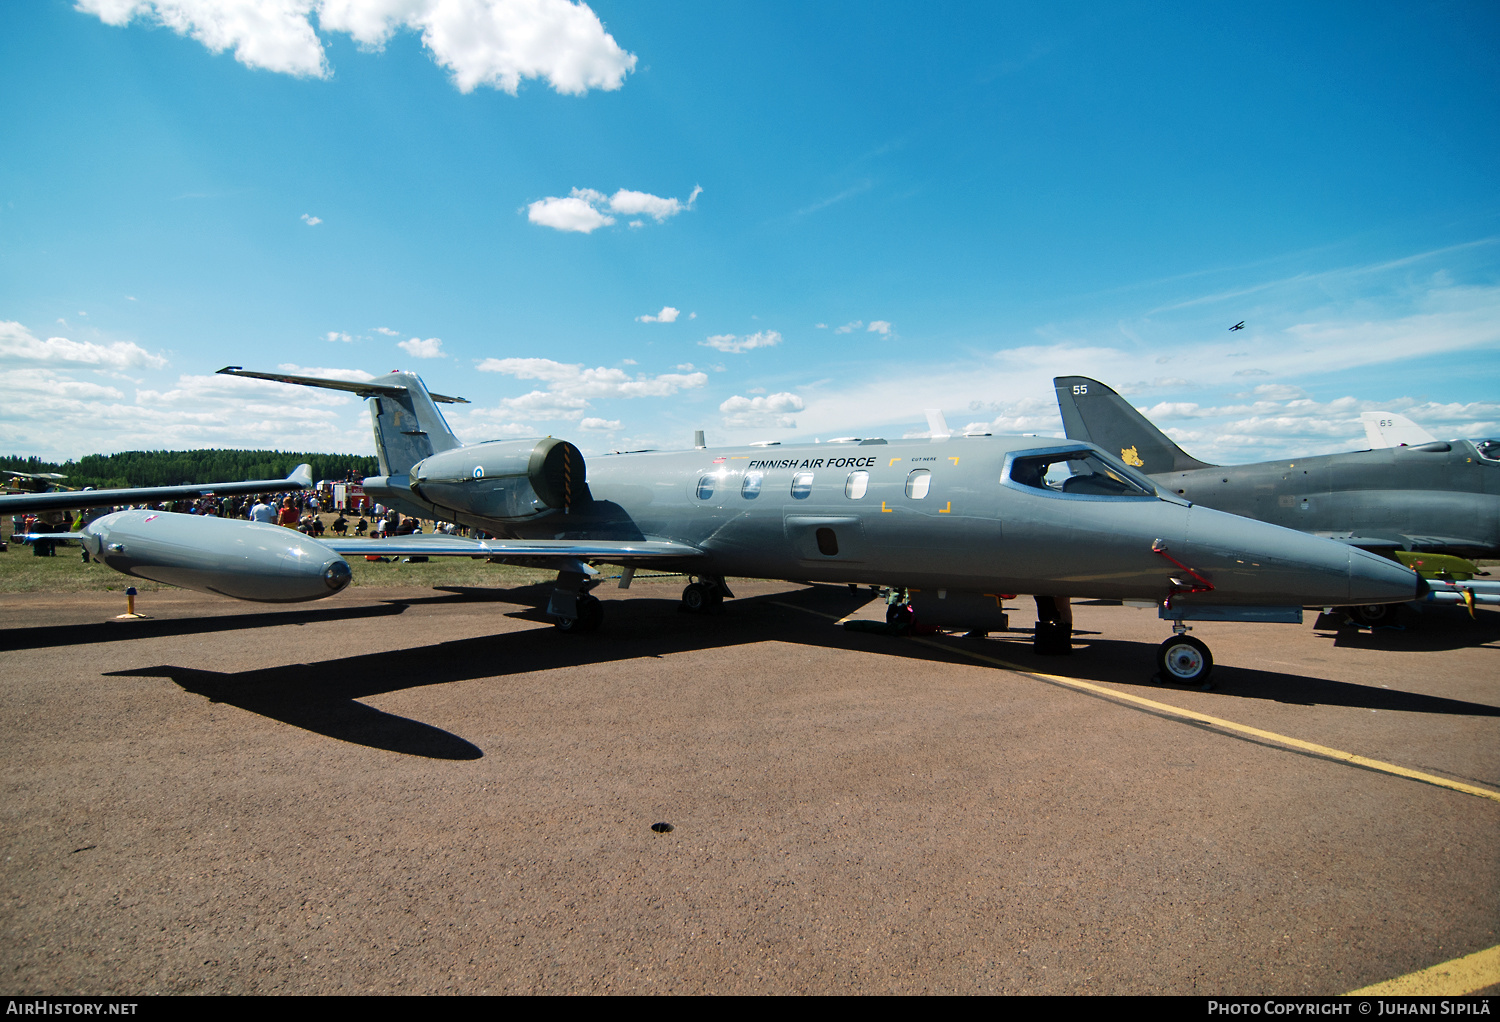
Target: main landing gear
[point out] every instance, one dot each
(1183, 659)
(572, 609)
(704, 595)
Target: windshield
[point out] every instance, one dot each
(1489, 450)
(1081, 473)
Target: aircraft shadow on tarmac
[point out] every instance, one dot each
(1434, 630)
(155, 628)
(324, 697)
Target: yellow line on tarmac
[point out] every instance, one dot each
(1450, 979)
(1203, 718)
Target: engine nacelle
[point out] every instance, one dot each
(511, 480)
(229, 557)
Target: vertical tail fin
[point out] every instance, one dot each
(408, 425)
(1095, 414)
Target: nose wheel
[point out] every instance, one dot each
(1184, 660)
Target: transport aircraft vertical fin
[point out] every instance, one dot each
(1095, 414)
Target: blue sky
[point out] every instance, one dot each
(622, 222)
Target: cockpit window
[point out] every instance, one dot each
(1080, 473)
(1489, 450)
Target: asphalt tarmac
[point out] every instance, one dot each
(420, 791)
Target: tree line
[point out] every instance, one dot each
(173, 468)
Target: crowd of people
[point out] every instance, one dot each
(304, 511)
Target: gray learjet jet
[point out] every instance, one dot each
(955, 523)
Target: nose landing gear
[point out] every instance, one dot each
(1183, 659)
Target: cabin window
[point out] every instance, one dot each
(750, 488)
(918, 482)
(705, 487)
(801, 485)
(858, 484)
(828, 543)
(1081, 473)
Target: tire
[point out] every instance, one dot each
(1373, 615)
(1184, 660)
(590, 617)
(697, 598)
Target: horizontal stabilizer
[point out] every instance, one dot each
(370, 389)
(300, 479)
(438, 545)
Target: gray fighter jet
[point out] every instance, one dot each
(952, 524)
(1437, 497)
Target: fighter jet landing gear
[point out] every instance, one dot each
(705, 595)
(1183, 659)
(590, 615)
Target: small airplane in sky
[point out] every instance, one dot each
(950, 523)
(1439, 497)
(1238, 326)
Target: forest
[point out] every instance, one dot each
(171, 468)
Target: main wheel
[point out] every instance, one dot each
(1184, 659)
(1372, 615)
(590, 616)
(697, 598)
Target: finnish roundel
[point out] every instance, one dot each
(478, 471)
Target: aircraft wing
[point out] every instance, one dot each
(22, 503)
(438, 545)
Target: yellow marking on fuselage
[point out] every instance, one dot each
(954, 460)
(884, 508)
(893, 461)
(1457, 978)
(946, 510)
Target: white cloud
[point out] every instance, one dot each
(418, 348)
(334, 335)
(739, 345)
(849, 328)
(584, 209)
(387, 331)
(570, 388)
(666, 315)
(879, 326)
(575, 212)
(275, 35)
(497, 43)
(18, 344)
(771, 411)
(312, 221)
(628, 203)
(599, 425)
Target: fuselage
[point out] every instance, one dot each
(956, 513)
(1442, 496)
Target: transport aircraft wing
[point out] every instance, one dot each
(23, 503)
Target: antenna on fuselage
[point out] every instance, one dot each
(698, 441)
